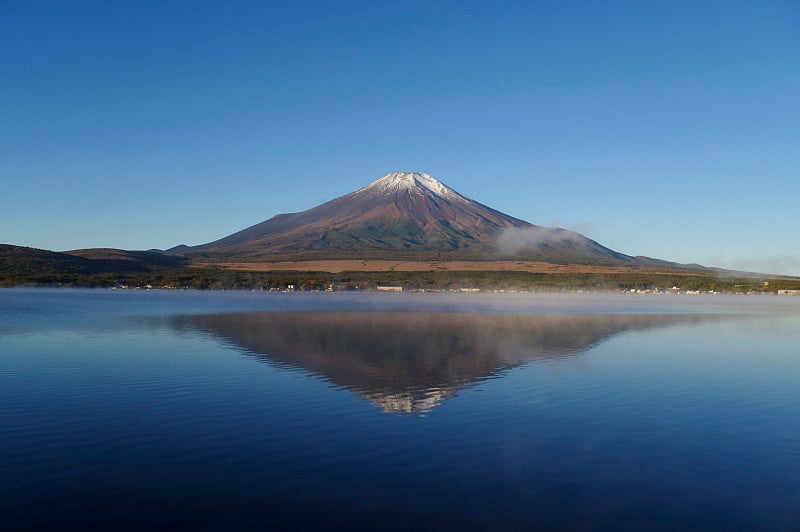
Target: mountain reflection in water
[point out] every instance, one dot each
(412, 361)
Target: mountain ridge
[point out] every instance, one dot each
(406, 227)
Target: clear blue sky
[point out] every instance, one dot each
(669, 129)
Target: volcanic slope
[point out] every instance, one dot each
(403, 216)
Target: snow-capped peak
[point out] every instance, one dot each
(400, 181)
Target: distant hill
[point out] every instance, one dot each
(126, 259)
(21, 261)
(404, 216)
(39, 266)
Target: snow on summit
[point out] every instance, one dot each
(400, 181)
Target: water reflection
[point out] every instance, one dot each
(412, 361)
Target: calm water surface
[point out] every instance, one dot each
(141, 410)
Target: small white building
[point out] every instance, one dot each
(390, 288)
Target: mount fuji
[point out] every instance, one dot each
(404, 216)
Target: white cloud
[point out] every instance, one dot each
(512, 240)
(776, 265)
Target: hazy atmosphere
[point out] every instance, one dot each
(666, 129)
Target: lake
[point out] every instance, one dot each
(133, 410)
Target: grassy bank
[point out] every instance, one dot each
(201, 278)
